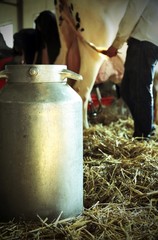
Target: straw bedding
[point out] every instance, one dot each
(120, 190)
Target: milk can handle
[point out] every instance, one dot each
(65, 73)
(3, 74)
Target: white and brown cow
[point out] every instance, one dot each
(80, 24)
(85, 27)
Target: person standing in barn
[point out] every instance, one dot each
(139, 28)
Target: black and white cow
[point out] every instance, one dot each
(82, 24)
(85, 28)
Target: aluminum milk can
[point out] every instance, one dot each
(41, 143)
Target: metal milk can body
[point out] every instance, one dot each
(41, 144)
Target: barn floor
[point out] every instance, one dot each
(109, 108)
(120, 187)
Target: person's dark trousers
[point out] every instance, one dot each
(137, 84)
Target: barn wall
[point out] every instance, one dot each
(31, 9)
(8, 15)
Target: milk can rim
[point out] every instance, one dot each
(33, 73)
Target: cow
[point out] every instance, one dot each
(24, 45)
(87, 27)
(48, 38)
(39, 45)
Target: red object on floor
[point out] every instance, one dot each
(106, 101)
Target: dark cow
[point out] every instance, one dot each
(25, 44)
(48, 38)
(40, 45)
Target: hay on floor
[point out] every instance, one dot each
(120, 191)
